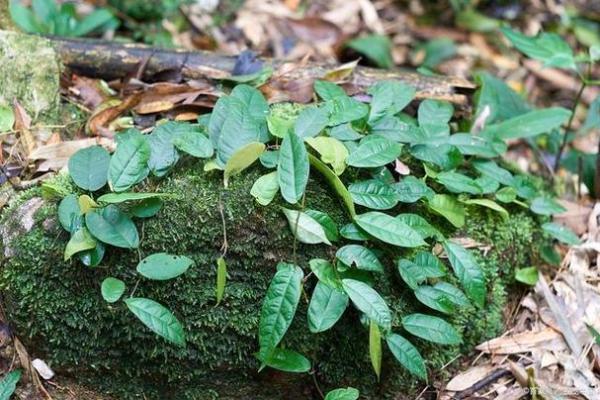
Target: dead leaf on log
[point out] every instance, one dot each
(99, 121)
(55, 156)
(23, 127)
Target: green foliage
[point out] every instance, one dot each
(112, 289)
(549, 48)
(7, 118)
(377, 48)
(8, 384)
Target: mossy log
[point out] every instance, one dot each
(56, 307)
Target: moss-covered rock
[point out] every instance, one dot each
(56, 306)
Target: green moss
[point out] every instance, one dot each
(56, 307)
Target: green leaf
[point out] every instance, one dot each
(279, 307)
(467, 271)
(326, 307)
(8, 384)
(419, 224)
(546, 206)
(449, 208)
(359, 256)
(492, 170)
(410, 189)
(506, 195)
(280, 126)
(311, 121)
(293, 168)
(269, 158)
(221, 278)
(344, 132)
(549, 48)
(326, 273)
(458, 183)
(24, 18)
(68, 212)
(332, 152)
(429, 264)
(305, 228)
(377, 48)
(112, 289)
(352, 232)
(159, 319)
(501, 101)
(81, 240)
(592, 120)
(407, 355)
(163, 154)
(93, 257)
(194, 143)
(113, 227)
(328, 224)
(375, 347)
(434, 113)
(435, 299)
(528, 125)
(528, 276)
(343, 394)
(452, 293)
(412, 274)
(374, 151)
(562, 233)
(374, 194)
(253, 100)
(492, 205)
(328, 90)
(242, 159)
(473, 145)
(7, 119)
(128, 165)
(474, 21)
(92, 21)
(389, 230)
(367, 300)
(346, 109)
(265, 188)
(334, 181)
(389, 98)
(116, 198)
(431, 328)
(287, 360)
(146, 208)
(163, 266)
(89, 167)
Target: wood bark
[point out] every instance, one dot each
(109, 60)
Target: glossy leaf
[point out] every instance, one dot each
(431, 328)
(411, 189)
(407, 355)
(452, 293)
(89, 168)
(467, 270)
(492, 170)
(351, 231)
(334, 181)
(326, 273)
(561, 233)
(374, 151)
(7, 118)
(411, 273)
(115, 198)
(287, 360)
(293, 168)
(449, 208)
(68, 211)
(311, 121)
(326, 307)
(328, 90)
(429, 264)
(128, 164)
(360, 257)
(388, 98)
(528, 125)
(305, 228)
(501, 100)
(374, 194)
(93, 257)
(163, 154)
(163, 266)
(419, 224)
(159, 319)
(221, 278)
(348, 393)
(265, 188)
(458, 183)
(435, 299)
(375, 353)
(328, 224)
(113, 227)
(473, 145)
(367, 300)
(332, 151)
(81, 240)
(546, 206)
(112, 289)
(346, 109)
(194, 143)
(146, 208)
(389, 230)
(492, 205)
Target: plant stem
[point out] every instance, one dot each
(563, 145)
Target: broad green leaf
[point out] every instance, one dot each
(328, 224)
(359, 256)
(269, 158)
(525, 187)
(546, 206)
(367, 300)
(412, 274)
(389, 230)
(410, 189)
(346, 109)
(7, 118)
(280, 126)
(375, 347)
(293, 168)
(468, 272)
(374, 151)
(344, 132)
(374, 194)
(377, 48)
(501, 101)
(528, 125)
(528, 276)
(128, 164)
(146, 208)
(487, 184)
(159, 319)
(435, 299)
(242, 159)
(8, 384)
(92, 21)
(86, 203)
(434, 112)
(419, 224)
(89, 168)
(492, 170)
(445, 156)
(549, 48)
(279, 307)
(473, 145)
(549, 255)
(113, 227)
(436, 51)
(492, 205)
(326, 273)
(265, 188)
(305, 228)
(163, 266)
(452, 293)
(449, 208)
(326, 307)
(287, 360)
(348, 393)
(116, 198)
(389, 98)
(328, 90)
(458, 183)
(407, 355)
(253, 100)
(332, 152)
(560, 232)
(112, 289)
(311, 121)
(352, 232)
(221, 278)
(81, 240)
(393, 128)
(431, 328)
(24, 18)
(68, 211)
(93, 257)
(163, 154)
(429, 264)
(194, 143)
(334, 181)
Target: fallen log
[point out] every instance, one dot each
(110, 60)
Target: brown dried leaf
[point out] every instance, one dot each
(466, 379)
(23, 126)
(524, 342)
